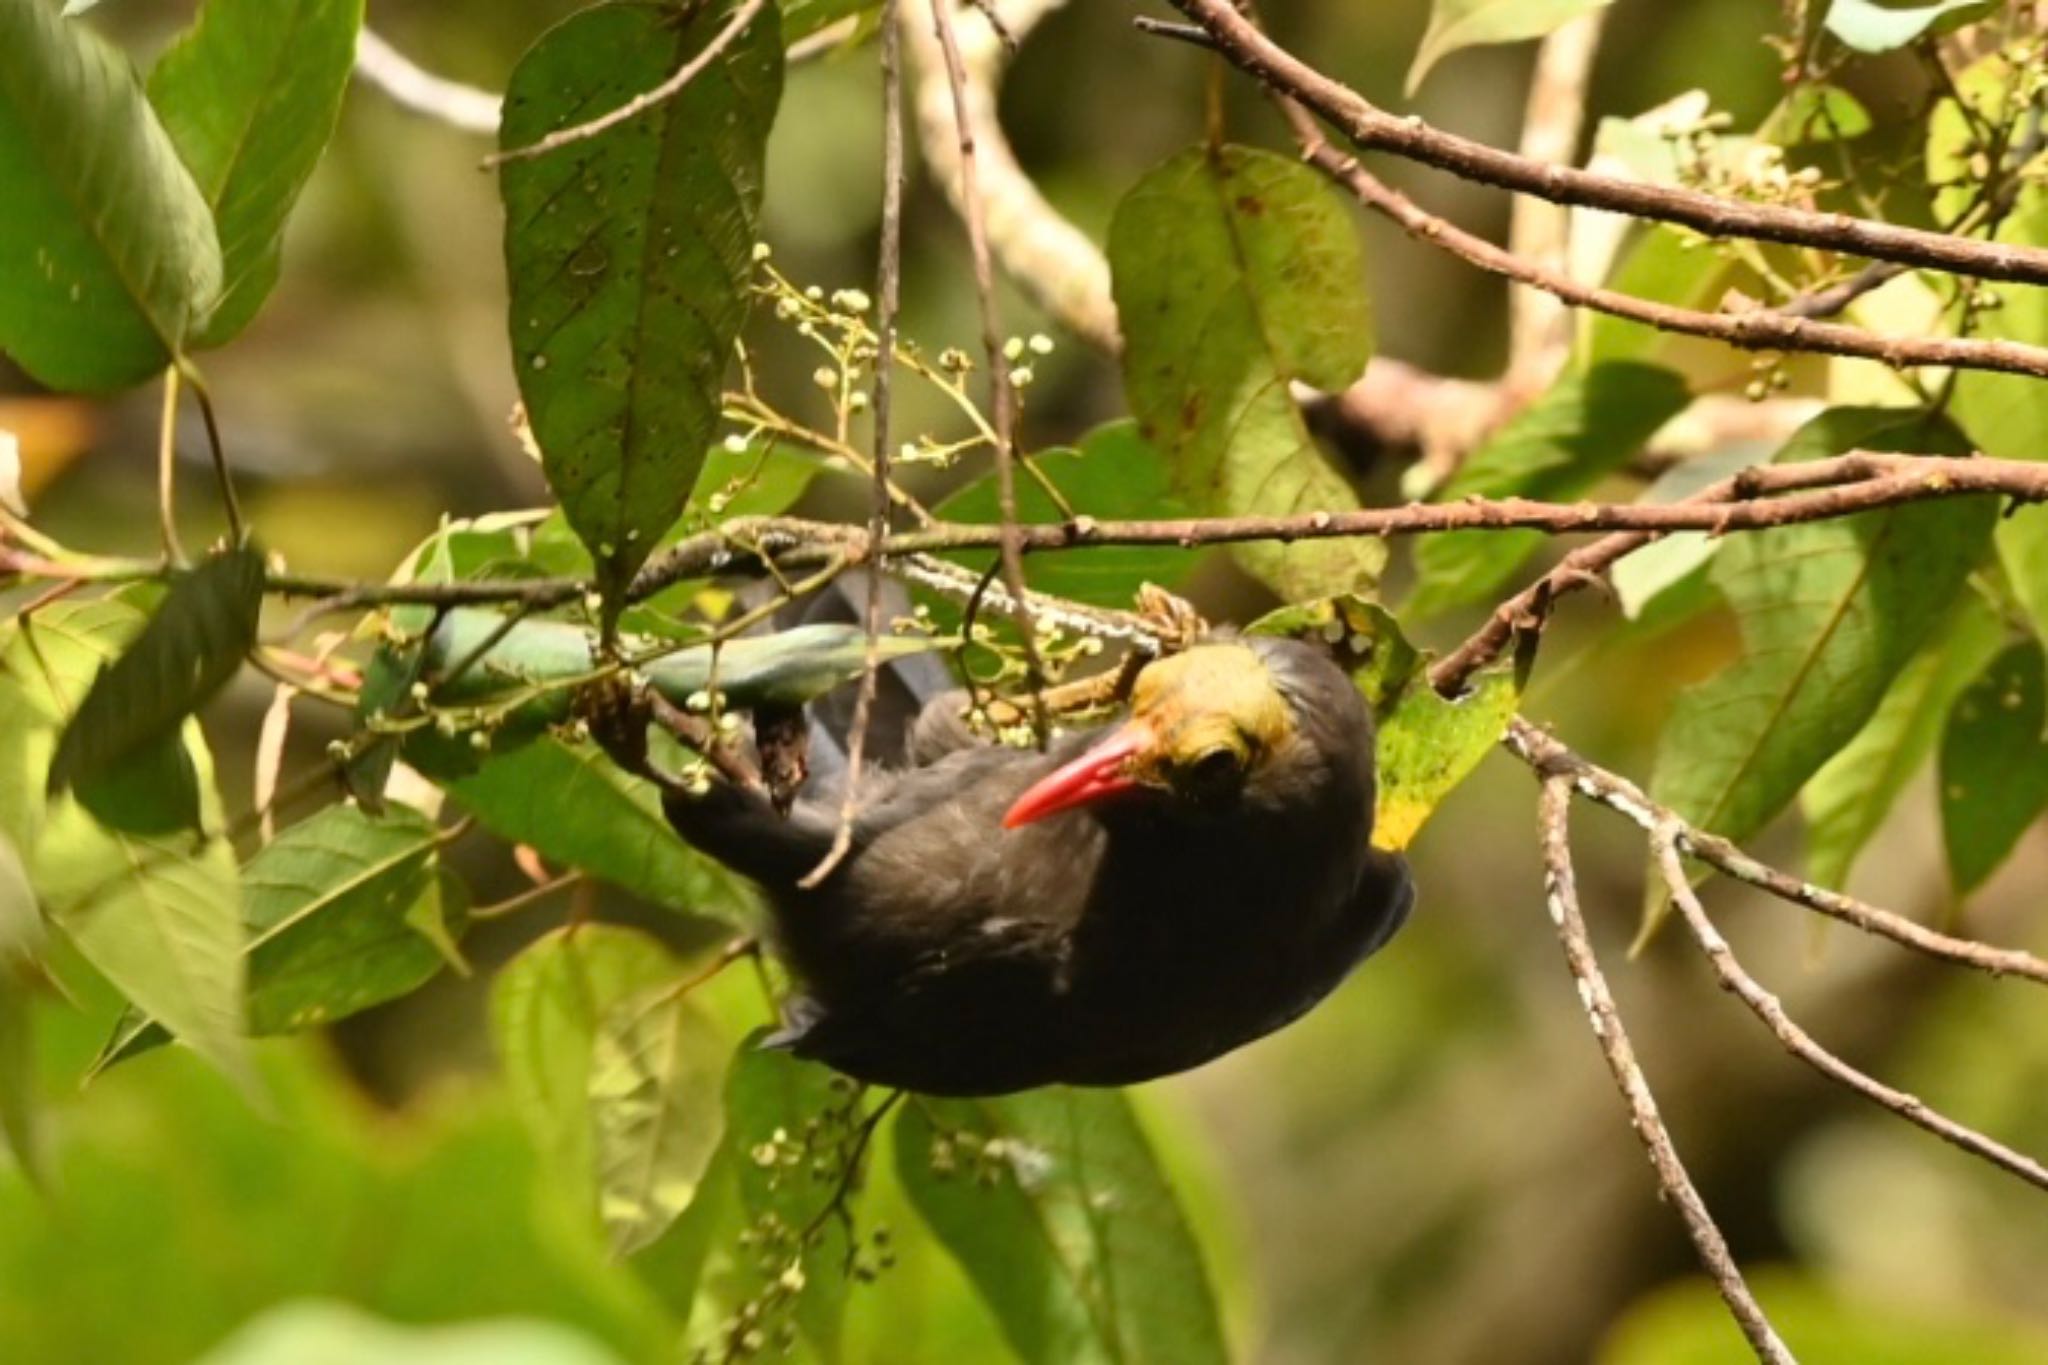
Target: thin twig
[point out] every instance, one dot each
(167, 470)
(1562, 896)
(1004, 392)
(522, 899)
(1371, 128)
(230, 504)
(888, 302)
(640, 103)
(1766, 1006)
(1759, 329)
(1551, 758)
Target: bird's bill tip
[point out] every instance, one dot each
(1100, 771)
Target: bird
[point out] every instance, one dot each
(1133, 902)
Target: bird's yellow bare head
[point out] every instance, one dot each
(1208, 715)
(1202, 724)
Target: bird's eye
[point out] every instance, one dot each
(1212, 776)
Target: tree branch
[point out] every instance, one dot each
(1561, 893)
(1767, 1007)
(1371, 128)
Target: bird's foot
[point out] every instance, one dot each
(616, 711)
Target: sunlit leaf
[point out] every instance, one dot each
(546, 1008)
(1994, 765)
(160, 916)
(108, 255)
(1829, 612)
(21, 923)
(800, 18)
(1055, 1207)
(1235, 272)
(1816, 112)
(1426, 744)
(1663, 266)
(1115, 474)
(1663, 564)
(657, 1064)
(341, 1334)
(249, 95)
(1884, 25)
(629, 256)
(20, 1129)
(189, 650)
(1554, 450)
(760, 479)
(1457, 24)
(1847, 800)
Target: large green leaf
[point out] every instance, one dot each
(629, 256)
(1235, 272)
(1994, 765)
(801, 18)
(1848, 799)
(1425, 744)
(1114, 474)
(575, 807)
(1830, 612)
(1555, 450)
(657, 1064)
(1055, 1207)
(249, 95)
(546, 1008)
(1458, 24)
(159, 916)
(108, 256)
(21, 923)
(130, 717)
(343, 912)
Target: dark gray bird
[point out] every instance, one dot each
(1138, 901)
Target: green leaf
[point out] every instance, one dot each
(1885, 25)
(801, 18)
(1994, 765)
(1664, 266)
(1054, 1205)
(21, 923)
(189, 650)
(629, 256)
(159, 916)
(657, 1064)
(1235, 272)
(20, 1131)
(790, 1125)
(1815, 112)
(546, 1008)
(1662, 565)
(1425, 744)
(1847, 800)
(1556, 449)
(2007, 415)
(1457, 24)
(250, 94)
(108, 256)
(1116, 474)
(1829, 612)
(342, 1334)
(761, 479)
(575, 808)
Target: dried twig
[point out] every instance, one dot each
(888, 300)
(1004, 392)
(1562, 896)
(1551, 758)
(1766, 1006)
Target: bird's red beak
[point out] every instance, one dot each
(1100, 771)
